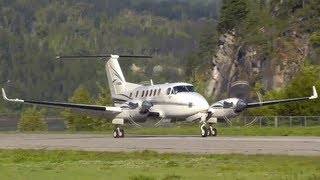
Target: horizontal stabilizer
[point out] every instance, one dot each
(101, 56)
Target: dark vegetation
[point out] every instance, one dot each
(300, 87)
(32, 120)
(33, 32)
(77, 122)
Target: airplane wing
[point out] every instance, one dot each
(257, 104)
(103, 111)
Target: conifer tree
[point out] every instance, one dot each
(232, 13)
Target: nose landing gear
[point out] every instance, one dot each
(211, 131)
(204, 130)
(118, 132)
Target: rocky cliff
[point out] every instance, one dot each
(241, 63)
(237, 62)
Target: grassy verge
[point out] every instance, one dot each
(28, 164)
(194, 130)
(231, 131)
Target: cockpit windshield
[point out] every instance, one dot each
(178, 89)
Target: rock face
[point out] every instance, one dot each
(223, 65)
(239, 61)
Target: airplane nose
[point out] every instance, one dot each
(200, 103)
(204, 104)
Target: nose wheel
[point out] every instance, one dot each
(118, 133)
(212, 131)
(208, 131)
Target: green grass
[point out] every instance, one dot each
(231, 131)
(194, 130)
(41, 164)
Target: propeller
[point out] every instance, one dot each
(145, 106)
(241, 105)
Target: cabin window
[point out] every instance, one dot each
(137, 93)
(159, 91)
(168, 91)
(130, 94)
(155, 92)
(227, 104)
(150, 92)
(178, 89)
(142, 94)
(190, 88)
(147, 92)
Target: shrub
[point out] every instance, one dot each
(315, 40)
(32, 120)
(77, 121)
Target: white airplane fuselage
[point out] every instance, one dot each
(165, 100)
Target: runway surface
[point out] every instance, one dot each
(185, 144)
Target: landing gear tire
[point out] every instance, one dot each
(212, 131)
(115, 133)
(121, 133)
(118, 133)
(204, 131)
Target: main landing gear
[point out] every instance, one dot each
(118, 132)
(208, 131)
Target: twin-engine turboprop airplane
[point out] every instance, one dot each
(133, 103)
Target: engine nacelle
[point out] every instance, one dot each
(141, 107)
(228, 107)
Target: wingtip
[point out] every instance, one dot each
(314, 93)
(4, 94)
(7, 99)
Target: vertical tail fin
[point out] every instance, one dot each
(116, 80)
(118, 85)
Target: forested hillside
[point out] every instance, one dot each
(33, 32)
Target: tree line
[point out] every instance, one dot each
(33, 32)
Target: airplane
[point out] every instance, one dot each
(134, 103)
